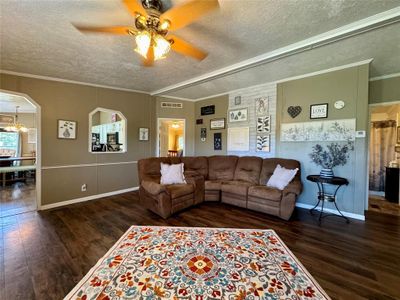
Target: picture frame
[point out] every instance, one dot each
(263, 143)
(238, 139)
(143, 134)
(203, 134)
(207, 110)
(32, 135)
(319, 111)
(217, 124)
(238, 115)
(238, 100)
(262, 106)
(264, 124)
(66, 129)
(218, 141)
(398, 135)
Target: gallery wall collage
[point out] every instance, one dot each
(251, 121)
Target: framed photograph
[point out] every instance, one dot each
(398, 135)
(262, 106)
(264, 124)
(238, 115)
(319, 111)
(263, 144)
(217, 141)
(199, 121)
(207, 110)
(203, 134)
(143, 134)
(238, 100)
(216, 124)
(238, 139)
(66, 129)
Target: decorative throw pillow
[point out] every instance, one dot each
(172, 174)
(281, 177)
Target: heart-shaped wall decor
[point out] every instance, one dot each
(294, 111)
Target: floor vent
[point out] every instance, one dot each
(171, 105)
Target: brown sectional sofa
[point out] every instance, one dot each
(239, 181)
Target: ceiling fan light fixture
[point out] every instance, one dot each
(164, 25)
(161, 47)
(143, 41)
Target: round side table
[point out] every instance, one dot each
(324, 196)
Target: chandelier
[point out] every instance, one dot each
(16, 126)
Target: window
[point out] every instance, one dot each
(9, 141)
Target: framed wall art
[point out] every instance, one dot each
(143, 134)
(66, 129)
(216, 124)
(398, 134)
(263, 143)
(238, 115)
(203, 134)
(238, 139)
(264, 124)
(217, 141)
(238, 100)
(319, 111)
(207, 110)
(262, 106)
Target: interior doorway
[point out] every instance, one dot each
(384, 159)
(171, 137)
(19, 154)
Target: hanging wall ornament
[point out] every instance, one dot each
(294, 111)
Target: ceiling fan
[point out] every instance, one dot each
(152, 27)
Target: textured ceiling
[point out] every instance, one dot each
(37, 38)
(8, 103)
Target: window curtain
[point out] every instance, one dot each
(381, 149)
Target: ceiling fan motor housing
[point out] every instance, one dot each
(152, 4)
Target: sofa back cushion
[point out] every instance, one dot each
(269, 165)
(221, 167)
(248, 169)
(198, 164)
(150, 168)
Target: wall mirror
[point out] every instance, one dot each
(107, 131)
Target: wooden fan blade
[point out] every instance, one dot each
(186, 48)
(111, 30)
(135, 7)
(188, 12)
(150, 58)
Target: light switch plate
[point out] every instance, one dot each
(360, 134)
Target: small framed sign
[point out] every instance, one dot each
(199, 121)
(66, 129)
(216, 124)
(319, 111)
(398, 134)
(207, 110)
(143, 134)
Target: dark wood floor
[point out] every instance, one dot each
(380, 204)
(43, 255)
(17, 198)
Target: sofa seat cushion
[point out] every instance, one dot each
(265, 192)
(179, 190)
(213, 185)
(236, 187)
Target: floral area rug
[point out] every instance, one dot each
(198, 263)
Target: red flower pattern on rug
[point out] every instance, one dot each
(198, 263)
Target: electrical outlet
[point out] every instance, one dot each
(84, 187)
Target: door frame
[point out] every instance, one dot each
(38, 118)
(370, 107)
(159, 120)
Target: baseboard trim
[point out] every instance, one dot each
(332, 211)
(376, 193)
(88, 198)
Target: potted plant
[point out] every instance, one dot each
(334, 155)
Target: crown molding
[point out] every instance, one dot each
(175, 98)
(367, 24)
(384, 76)
(355, 64)
(71, 81)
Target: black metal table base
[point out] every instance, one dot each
(321, 212)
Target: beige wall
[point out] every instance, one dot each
(351, 86)
(187, 113)
(384, 90)
(221, 107)
(61, 179)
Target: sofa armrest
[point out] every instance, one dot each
(192, 177)
(294, 187)
(153, 188)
